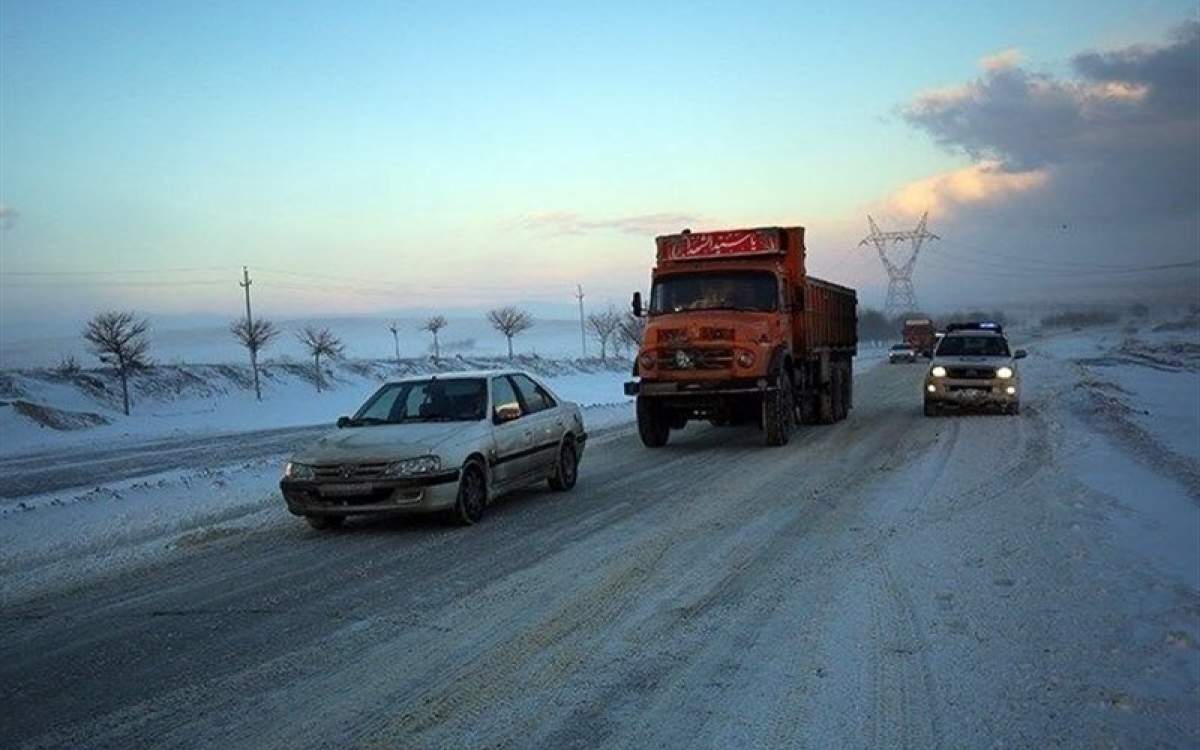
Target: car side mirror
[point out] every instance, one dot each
(507, 413)
(637, 304)
(1020, 354)
(343, 422)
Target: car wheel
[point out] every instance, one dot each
(1014, 408)
(472, 496)
(324, 523)
(931, 409)
(566, 469)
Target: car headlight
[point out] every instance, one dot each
(647, 361)
(410, 466)
(938, 372)
(301, 472)
(1004, 373)
(745, 358)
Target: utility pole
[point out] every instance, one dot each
(396, 336)
(245, 284)
(901, 296)
(582, 327)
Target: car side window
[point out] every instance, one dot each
(536, 397)
(503, 393)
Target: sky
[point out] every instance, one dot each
(455, 156)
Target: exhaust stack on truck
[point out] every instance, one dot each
(738, 333)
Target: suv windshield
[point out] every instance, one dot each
(457, 400)
(731, 290)
(973, 346)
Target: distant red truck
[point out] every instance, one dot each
(739, 333)
(921, 335)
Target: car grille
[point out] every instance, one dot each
(696, 359)
(349, 472)
(971, 373)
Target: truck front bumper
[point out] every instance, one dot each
(426, 494)
(669, 388)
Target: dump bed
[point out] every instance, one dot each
(829, 320)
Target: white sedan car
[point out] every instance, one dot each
(450, 442)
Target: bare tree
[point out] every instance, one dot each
(320, 342)
(603, 325)
(255, 335)
(631, 330)
(395, 329)
(433, 325)
(120, 339)
(510, 321)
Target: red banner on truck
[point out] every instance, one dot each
(689, 246)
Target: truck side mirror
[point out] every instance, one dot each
(637, 304)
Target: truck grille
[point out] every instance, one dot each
(971, 373)
(349, 472)
(696, 359)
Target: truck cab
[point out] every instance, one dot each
(737, 333)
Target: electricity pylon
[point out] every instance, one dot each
(901, 296)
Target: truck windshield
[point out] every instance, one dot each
(730, 290)
(972, 346)
(449, 400)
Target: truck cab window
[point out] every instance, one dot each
(753, 291)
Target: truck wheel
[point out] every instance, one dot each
(779, 412)
(848, 382)
(324, 523)
(825, 413)
(652, 426)
(837, 390)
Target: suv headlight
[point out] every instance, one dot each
(1004, 373)
(410, 466)
(302, 472)
(938, 372)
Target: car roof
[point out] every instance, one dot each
(461, 375)
(974, 332)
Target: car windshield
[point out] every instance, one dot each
(434, 400)
(973, 346)
(731, 290)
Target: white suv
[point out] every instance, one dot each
(973, 367)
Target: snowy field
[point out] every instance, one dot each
(892, 580)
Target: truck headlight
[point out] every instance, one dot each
(301, 472)
(410, 466)
(1004, 373)
(647, 361)
(938, 372)
(745, 358)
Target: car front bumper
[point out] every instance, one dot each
(426, 494)
(972, 392)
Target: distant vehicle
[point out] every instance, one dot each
(973, 367)
(902, 353)
(921, 335)
(739, 333)
(452, 442)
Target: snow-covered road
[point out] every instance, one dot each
(889, 581)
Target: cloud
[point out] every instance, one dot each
(8, 216)
(1008, 58)
(1100, 165)
(570, 223)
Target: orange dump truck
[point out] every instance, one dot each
(738, 333)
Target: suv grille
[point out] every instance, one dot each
(349, 472)
(971, 373)
(696, 359)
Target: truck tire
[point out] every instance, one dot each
(825, 414)
(837, 392)
(779, 412)
(849, 383)
(652, 424)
